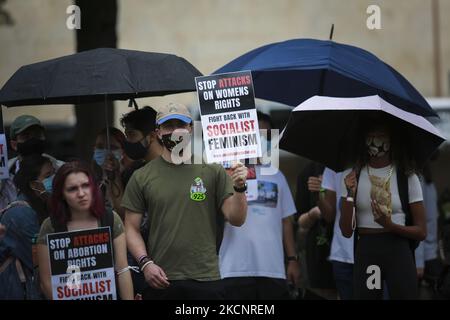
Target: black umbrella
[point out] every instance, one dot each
(99, 75)
(92, 75)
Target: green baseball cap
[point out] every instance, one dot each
(22, 123)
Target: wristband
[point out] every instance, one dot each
(139, 260)
(349, 192)
(241, 189)
(146, 264)
(128, 268)
(144, 261)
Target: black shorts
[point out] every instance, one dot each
(256, 288)
(393, 257)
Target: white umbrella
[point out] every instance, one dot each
(327, 129)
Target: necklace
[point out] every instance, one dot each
(391, 170)
(380, 191)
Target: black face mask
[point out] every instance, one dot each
(31, 146)
(169, 143)
(136, 150)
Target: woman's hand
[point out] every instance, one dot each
(314, 183)
(239, 174)
(379, 216)
(351, 184)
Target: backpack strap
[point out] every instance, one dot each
(20, 272)
(107, 220)
(57, 226)
(403, 192)
(13, 204)
(22, 277)
(355, 232)
(4, 264)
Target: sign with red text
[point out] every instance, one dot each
(82, 265)
(4, 172)
(228, 114)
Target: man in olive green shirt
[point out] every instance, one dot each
(180, 259)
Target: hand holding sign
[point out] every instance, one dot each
(315, 183)
(239, 174)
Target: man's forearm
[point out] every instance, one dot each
(327, 206)
(236, 209)
(135, 243)
(288, 237)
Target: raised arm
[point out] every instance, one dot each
(234, 208)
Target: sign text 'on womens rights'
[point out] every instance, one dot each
(228, 115)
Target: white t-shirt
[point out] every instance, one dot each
(364, 218)
(341, 247)
(256, 248)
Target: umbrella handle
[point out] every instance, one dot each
(107, 124)
(131, 103)
(354, 219)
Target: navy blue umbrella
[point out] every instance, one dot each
(292, 71)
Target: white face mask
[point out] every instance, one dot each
(378, 147)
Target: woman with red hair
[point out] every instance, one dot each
(76, 204)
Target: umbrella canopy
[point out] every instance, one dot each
(91, 75)
(292, 71)
(328, 130)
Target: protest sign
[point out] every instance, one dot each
(82, 265)
(228, 115)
